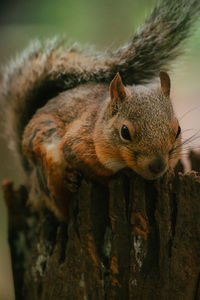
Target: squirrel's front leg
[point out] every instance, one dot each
(53, 178)
(72, 179)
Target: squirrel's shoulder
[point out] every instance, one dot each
(79, 105)
(80, 98)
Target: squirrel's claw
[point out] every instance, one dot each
(73, 180)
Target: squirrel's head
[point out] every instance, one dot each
(138, 129)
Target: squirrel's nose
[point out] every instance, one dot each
(157, 166)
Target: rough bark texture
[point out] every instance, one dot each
(133, 240)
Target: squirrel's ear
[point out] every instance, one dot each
(165, 83)
(117, 89)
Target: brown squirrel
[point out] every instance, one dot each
(69, 113)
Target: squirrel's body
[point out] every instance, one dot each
(68, 117)
(78, 132)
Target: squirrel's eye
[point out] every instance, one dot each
(125, 133)
(178, 132)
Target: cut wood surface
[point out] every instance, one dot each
(134, 239)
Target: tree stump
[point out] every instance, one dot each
(134, 239)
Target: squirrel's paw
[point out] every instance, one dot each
(73, 180)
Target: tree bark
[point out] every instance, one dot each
(134, 239)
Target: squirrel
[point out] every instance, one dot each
(71, 113)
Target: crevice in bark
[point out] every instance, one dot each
(151, 261)
(173, 214)
(99, 215)
(101, 228)
(39, 289)
(106, 257)
(197, 289)
(173, 202)
(126, 184)
(63, 238)
(74, 212)
(47, 230)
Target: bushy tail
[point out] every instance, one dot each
(157, 42)
(44, 70)
(154, 46)
(28, 82)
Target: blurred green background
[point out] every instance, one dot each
(104, 24)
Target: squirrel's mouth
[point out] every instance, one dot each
(153, 169)
(153, 176)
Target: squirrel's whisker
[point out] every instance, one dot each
(188, 112)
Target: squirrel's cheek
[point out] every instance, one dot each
(133, 162)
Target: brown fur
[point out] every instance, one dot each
(79, 132)
(46, 69)
(61, 102)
